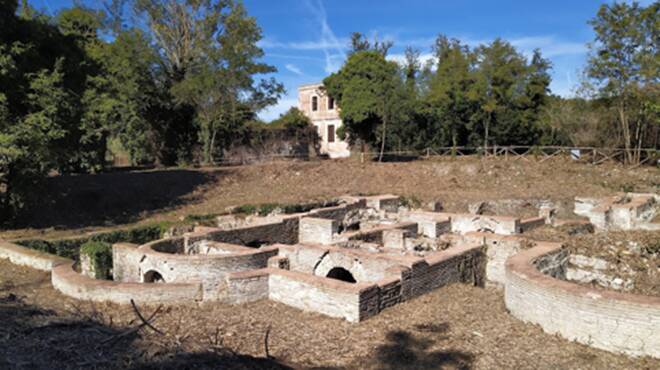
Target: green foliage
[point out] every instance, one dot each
(247, 209)
(293, 119)
(66, 93)
(371, 94)
(100, 257)
(70, 247)
(624, 68)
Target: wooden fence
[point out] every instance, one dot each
(591, 155)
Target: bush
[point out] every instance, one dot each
(70, 247)
(100, 258)
(248, 209)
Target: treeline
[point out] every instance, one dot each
(161, 82)
(493, 94)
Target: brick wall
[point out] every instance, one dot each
(609, 320)
(66, 280)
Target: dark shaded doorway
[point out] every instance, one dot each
(342, 274)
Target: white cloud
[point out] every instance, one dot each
(329, 43)
(549, 45)
(401, 58)
(276, 110)
(293, 68)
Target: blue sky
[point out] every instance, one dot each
(307, 39)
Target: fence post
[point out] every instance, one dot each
(361, 157)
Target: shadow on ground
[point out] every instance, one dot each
(405, 350)
(74, 201)
(34, 338)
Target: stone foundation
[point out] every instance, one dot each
(608, 320)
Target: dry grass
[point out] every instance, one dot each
(457, 326)
(78, 204)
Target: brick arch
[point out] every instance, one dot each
(153, 276)
(332, 261)
(340, 273)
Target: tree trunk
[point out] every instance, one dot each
(487, 128)
(626, 132)
(382, 144)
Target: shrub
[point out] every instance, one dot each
(70, 247)
(100, 258)
(245, 209)
(268, 208)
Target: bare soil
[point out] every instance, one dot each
(71, 205)
(458, 327)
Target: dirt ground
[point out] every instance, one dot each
(76, 204)
(459, 326)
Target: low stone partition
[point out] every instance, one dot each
(375, 235)
(163, 259)
(609, 320)
(365, 266)
(628, 211)
(353, 302)
(498, 249)
(429, 224)
(463, 223)
(66, 280)
(29, 257)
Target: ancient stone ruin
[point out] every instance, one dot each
(359, 255)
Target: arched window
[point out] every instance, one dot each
(342, 274)
(315, 103)
(331, 103)
(153, 277)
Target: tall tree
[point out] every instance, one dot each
(369, 90)
(222, 86)
(624, 63)
(450, 89)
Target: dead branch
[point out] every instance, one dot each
(266, 342)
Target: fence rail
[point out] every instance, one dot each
(591, 155)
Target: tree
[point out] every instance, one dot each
(369, 90)
(449, 91)
(222, 86)
(510, 92)
(624, 64)
(361, 43)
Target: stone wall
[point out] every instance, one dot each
(29, 257)
(317, 230)
(353, 302)
(210, 270)
(498, 249)
(247, 286)
(609, 320)
(464, 223)
(66, 280)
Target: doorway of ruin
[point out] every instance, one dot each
(340, 273)
(152, 276)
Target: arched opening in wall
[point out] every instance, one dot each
(153, 277)
(486, 230)
(342, 274)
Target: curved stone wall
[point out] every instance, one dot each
(604, 319)
(208, 269)
(69, 282)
